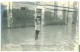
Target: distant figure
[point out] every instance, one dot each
(70, 23)
(37, 28)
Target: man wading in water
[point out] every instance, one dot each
(37, 28)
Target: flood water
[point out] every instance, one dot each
(54, 37)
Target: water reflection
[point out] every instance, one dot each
(55, 35)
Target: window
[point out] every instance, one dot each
(38, 10)
(22, 8)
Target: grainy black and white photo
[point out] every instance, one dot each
(39, 26)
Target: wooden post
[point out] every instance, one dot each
(9, 14)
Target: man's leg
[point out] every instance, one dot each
(36, 34)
